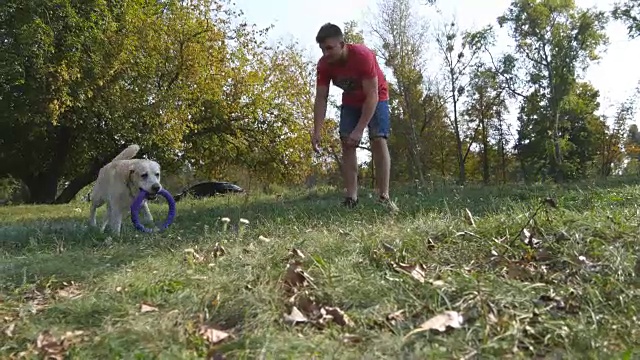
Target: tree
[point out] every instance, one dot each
(486, 104)
(188, 82)
(557, 40)
(402, 35)
(629, 14)
(459, 50)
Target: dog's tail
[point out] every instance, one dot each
(128, 153)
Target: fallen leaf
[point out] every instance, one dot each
(351, 339)
(218, 251)
(192, 255)
(396, 317)
(296, 316)
(55, 349)
(430, 244)
(145, 308)
(295, 253)
(469, 218)
(212, 335)
(70, 291)
(337, 315)
(440, 323)
(527, 237)
(415, 271)
(9, 330)
(305, 302)
(295, 276)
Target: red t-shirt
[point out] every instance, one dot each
(361, 64)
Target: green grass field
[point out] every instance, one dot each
(199, 290)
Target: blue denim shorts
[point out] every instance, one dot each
(379, 126)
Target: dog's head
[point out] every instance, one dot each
(145, 175)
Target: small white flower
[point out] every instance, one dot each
(225, 219)
(244, 221)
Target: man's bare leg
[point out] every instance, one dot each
(350, 171)
(382, 162)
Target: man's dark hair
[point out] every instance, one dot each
(329, 31)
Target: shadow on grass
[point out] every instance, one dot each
(41, 242)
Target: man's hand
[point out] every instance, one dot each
(315, 141)
(354, 138)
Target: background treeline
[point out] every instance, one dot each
(210, 97)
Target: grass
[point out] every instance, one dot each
(573, 296)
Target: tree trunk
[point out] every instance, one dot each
(485, 152)
(42, 187)
(84, 179)
(74, 186)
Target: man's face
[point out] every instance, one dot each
(332, 49)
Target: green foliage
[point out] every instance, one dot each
(628, 13)
(558, 41)
(185, 81)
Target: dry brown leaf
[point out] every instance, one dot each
(351, 339)
(295, 276)
(296, 316)
(527, 237)
(192, 255)
(440, 323)
(218, 251)
(295, 253)
(212, 335)
(415, 271)
(430, 244)
(70, 291)
(305, 302)
(55, 349)
(469, 218)
(396, 317)
(437, 283)
(145, 308)
(335, 314)
(9, 329)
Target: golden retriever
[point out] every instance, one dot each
(119, 183)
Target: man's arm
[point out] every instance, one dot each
(370, 89)
(322, 94)
(320, 106)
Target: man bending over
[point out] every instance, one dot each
(365, 103)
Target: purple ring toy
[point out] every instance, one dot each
(137, 204)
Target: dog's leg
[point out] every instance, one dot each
(148, 218)
(107, 217)
(115, 220)
(92, 213)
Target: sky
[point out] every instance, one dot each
(616, 75)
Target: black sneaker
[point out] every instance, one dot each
(350, 202)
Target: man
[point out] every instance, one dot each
(365, 103)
